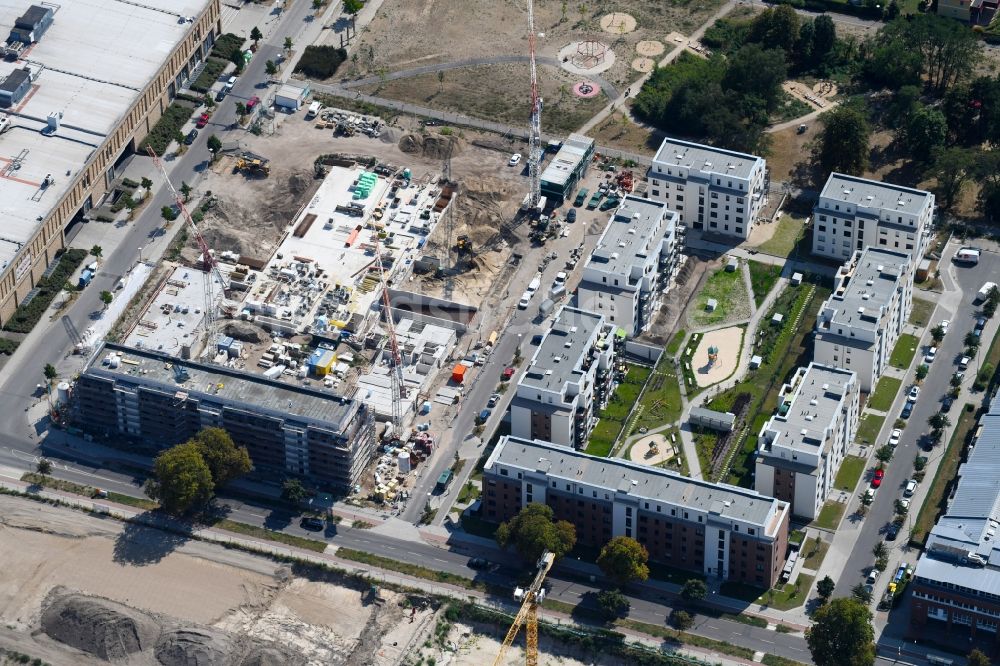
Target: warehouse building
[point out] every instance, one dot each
(287, 429)
(859, 323)
(854, 213)
(720, 192)
(630, 268)
(569, 378)
(101, 75)
(563, 174)
(801, 447)
(956, 586)
(719, 530)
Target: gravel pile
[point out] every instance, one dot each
(103, 628)
(194, 647)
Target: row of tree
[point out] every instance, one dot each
(187, 476)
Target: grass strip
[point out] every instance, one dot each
(686, 638)
(777, 660)
(762, 278)
(87, 491)
(830, 515)
(885, 392)
(270, 535)
(904, 351)
(674, 345)
(850, 471)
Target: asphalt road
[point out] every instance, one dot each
(934, 387)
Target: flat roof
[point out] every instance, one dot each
(707, 159)
(804, 417)
(873, 277)
(866, 193)
(212, 382)
(648, 482)
(567, 159)
(970, 524)
(91, 64)
(632, 234)
(562, 350)
(173, 318)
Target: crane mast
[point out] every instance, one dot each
(396, 372)
(211, 266)
(535, 133)
(527, 615)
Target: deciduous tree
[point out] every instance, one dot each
(225, 460)
(977, 658)
(181, 479)
(293, 491)
(924, 132)
(534, 531)
(694, 590)
(843, 144)
(825, 587)
(613, 603)
(842, 634)
(623, 560)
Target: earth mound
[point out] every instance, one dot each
(103, 628)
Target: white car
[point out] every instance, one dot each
(905, 504)
(914, 392)
(514, 160)
(944, 325)
(560, 277)
(872, 576)
(894, 437)
(910, 488)
(931, 355)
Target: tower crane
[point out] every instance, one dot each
(211, 266)
(397, 387)
(535, 133)
(528, 614)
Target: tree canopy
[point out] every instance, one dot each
(225, 460)
(842, 634)
(534, 531)
(182, 478)
(623, 560)
(843, 144)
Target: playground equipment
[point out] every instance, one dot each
(713, 355)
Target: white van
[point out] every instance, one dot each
(525, 299)
(314, 110)
(967, 255)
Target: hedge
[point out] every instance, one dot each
(320, 62)
(167, 127)
(226, 45)
(213, 70)
(26, 316)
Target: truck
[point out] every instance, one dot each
(535, 284)
(313, 110)
(443, 481)
(984, 292)
(967, 255)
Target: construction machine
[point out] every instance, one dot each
(528, 614)
(463, 244)
(253, 166)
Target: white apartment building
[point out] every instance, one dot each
(801, 447)
(569, 377)
(859, 324)
(715, 190)
(630, 269)
(854, 213)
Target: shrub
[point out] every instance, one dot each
(213, 70)
(226, 45)
(26, 316)
(320, 62)
(167, 127)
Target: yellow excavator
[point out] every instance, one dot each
(253, 166)
(528, 614)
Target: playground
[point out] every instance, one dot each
(717, 355)
(652, 450)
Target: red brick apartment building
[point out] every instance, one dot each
(719, 530)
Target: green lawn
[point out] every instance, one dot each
(785, 237)
(728, 289)
(784, 597)
(675, 343)
(904, 351)
(869, 427)
(763, 278)
(661, 403)
(850, 471)
(814, 552)
(830, 515)
(885, 391)
(921, 313)
(614, 416)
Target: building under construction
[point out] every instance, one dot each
(155, 398)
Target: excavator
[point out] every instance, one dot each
(254, 166)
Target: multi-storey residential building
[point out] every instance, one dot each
(630, 269)
(163, 400)
(94, 79)
(561, 177)
(570, 376)
(716, 529)
(859, 323)
(719, 191)
(956, 586)
(801, 447)
(854, 213)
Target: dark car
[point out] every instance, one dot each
(479, 563)
(221, 95)
(907, 410)
(430, 122)
(947, 403)
(571, 215)
(536, 339)
(892, 532)
(311, 524)
(191, 136)
(484, 415)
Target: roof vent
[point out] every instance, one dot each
(870, 283)
(900, 203)
(813, 402)
(826, 387)
(846, 191)
(861, 310)
(548, 372)
(804, 432)
(869, 197)
(572, 329)
(632, 231)
(809, 417)
(53, 121)
(881, 268)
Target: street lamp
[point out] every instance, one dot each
(140, 254)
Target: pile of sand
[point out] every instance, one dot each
(245, 332)
(194, 647)
(103, 628)
(435, 147)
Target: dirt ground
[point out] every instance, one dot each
(729, 343)
(499, 93)
(81, 589)
(789, 148)
(422, 32)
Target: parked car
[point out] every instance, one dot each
(507, 374)
(252, 103)
(913, 394)
(892, 532)
(877, 478)
(494, 399)
(571, 215)
(221, 95)
(484, 415)
(894, 437)
(907, 410)
(479, 563)
(514, 160)
(909, 488)
(947, 403)
(191, 136)
(963, 362)
(931, 355)
(872, 576)
(905, 504)
(944, 325)
(202, 120)
(311, 524)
